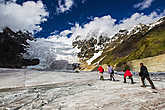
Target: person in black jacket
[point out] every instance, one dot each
(145, 75)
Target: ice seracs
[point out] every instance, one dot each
(51, 50)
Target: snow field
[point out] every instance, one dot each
(45, 90)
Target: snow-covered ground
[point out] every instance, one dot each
(47, 90)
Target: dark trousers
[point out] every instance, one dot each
(130, 77)
(149, 80)
(112, 77)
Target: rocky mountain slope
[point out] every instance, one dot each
(12, 47)
(142, 41)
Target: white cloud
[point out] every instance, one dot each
(64, 7)
(143, 5)
(138, 18)
(98, 26)
(27, 16)
(106, 25)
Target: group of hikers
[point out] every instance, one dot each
(143, 74)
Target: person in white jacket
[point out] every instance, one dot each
(111, 73)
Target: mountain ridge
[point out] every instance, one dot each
(141, 42)
(12, 47)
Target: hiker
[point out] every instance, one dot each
(127, 73)
(144, 74)
(111, 73)
(101, 70)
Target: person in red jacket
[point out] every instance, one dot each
(101, 70)
(127, 73)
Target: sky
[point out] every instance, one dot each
(45, 18)
(57, 23)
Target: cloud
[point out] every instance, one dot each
(27, 16)
(98, 26)
(138, 18)
(65, 6)
(143, 5)
(107, 26)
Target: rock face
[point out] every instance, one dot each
(142, 41)
(30, 62)
(89, 47)
(12, 47)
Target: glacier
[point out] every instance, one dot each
(51, 50)
(25, 89)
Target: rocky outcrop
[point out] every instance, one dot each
(30, 62)
(12, 47)
(89, 47)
